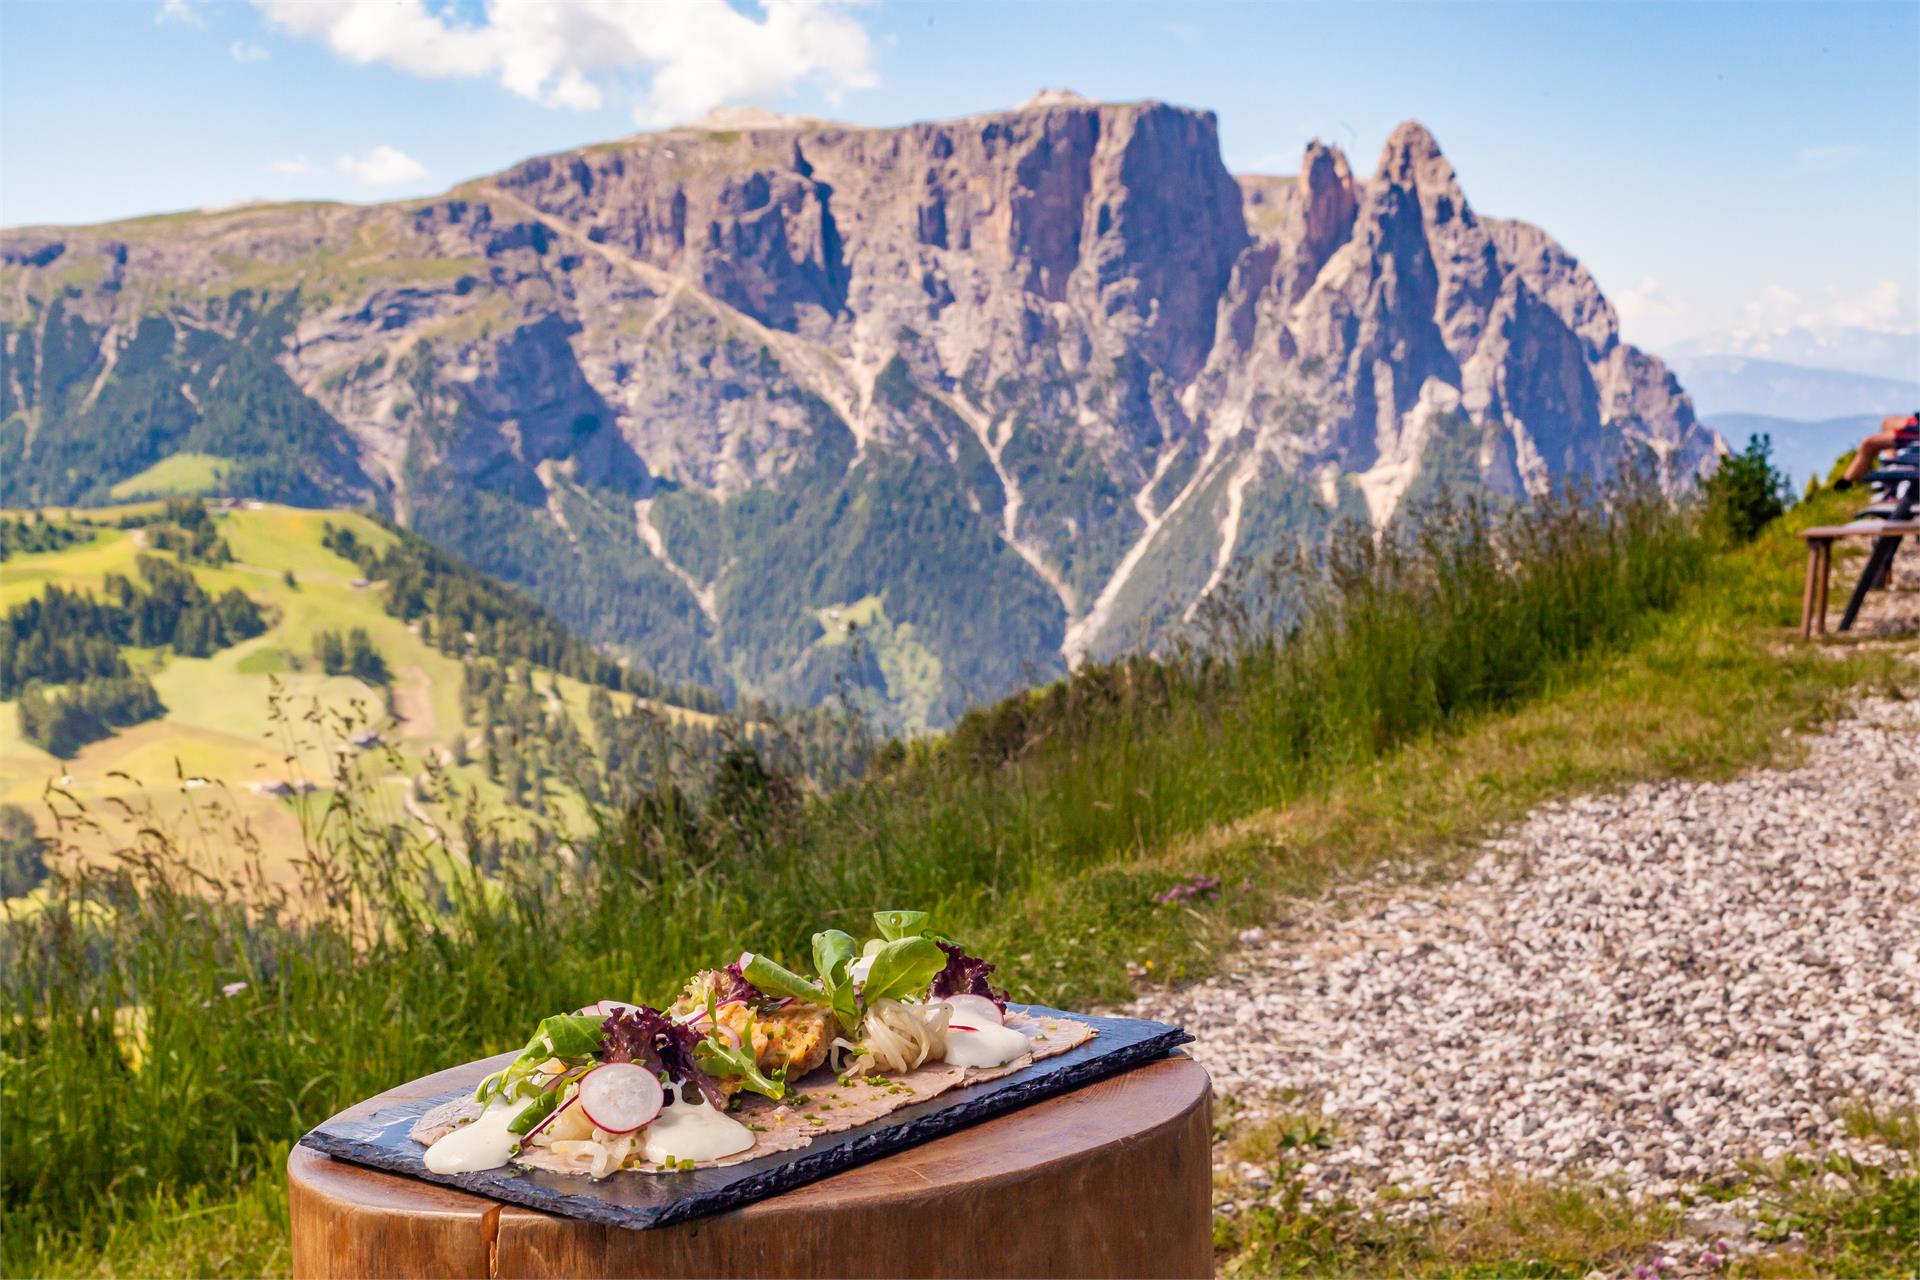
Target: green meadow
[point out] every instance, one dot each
(262, 711)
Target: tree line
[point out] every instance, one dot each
(61, 652)
(29, 535)
(463, 611)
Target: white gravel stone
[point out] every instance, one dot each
(1649, 986)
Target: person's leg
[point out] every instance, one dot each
(1869, 451)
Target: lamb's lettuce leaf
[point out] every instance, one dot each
(894, 925)
(777, 980)
(568, 1036)
(902, 968)
(718, 1058)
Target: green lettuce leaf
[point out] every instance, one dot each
(718, 1058)
(776, 980)
(903, 968)
(894, 925)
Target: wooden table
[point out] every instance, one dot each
(1113, 1179)
(1813, 598)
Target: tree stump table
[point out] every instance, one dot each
(1111, 1179)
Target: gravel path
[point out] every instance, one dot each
(1652, 985)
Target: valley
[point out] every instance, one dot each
(254, 738)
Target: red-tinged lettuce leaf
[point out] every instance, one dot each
(964, 975)
(655, 1041)
(725, 986)
(732, 985)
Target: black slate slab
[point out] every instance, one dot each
(654, 1200)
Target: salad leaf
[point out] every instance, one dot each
(833, 953)
(902, 968)
(777, 980)
(894, 925)
(534, 1112)
(728, 985)
(964, 975)
(655, 1041)
(735, 986)
(564, 1035)
(719, 1058)
(567, 1035)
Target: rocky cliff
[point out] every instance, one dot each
(920, 413)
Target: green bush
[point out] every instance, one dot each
(1747, 493)
(23, 860)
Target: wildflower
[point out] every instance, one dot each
(232, 989)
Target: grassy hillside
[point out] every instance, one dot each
(1440, 687)
(181, 473)
(264, 712)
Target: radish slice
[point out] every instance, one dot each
(973, 1009)
(604, 1008)
(619, 1097)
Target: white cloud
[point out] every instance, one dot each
(298, 167)
(181, 11)
(1643, 303)
(384, 166)
(1884, 305)
(696, 54)
(248, 51)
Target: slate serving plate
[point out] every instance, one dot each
(636, 1200)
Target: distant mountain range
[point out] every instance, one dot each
(1722, 384)
(795, 408)
(1877, 353)
(1800, 448)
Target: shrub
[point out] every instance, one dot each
(23, 858)
(1747, 493)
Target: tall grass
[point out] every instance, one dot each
(137, 1064)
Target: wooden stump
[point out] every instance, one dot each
(1112, 1179)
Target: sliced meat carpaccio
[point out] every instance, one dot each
(817, 1105)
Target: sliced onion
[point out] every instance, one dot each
(619, 1097)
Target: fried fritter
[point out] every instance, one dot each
(796, 1037)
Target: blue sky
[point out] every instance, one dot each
(1722, 168)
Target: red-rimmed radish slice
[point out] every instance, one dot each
(972, 1011)
(619, 1097)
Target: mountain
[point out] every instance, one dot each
(1800, 448)
(1739, 384)
(1877, 353)
(919, 415)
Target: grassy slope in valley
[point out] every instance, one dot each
(1437, 703)
(222, 724)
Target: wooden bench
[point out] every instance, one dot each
(1112, 1179)
(1820, 540)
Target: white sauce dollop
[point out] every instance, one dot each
(483, 1144)
(693, 1131)
(976, 1036)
